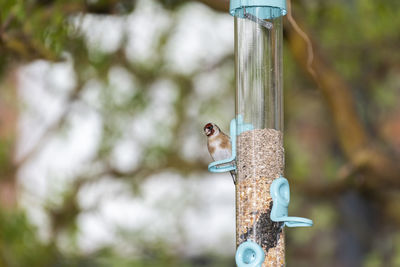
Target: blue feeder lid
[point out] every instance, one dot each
(263, 9)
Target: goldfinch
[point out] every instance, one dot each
(218, 144)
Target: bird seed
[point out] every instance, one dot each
(260, 160)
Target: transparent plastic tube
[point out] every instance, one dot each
(260, 154)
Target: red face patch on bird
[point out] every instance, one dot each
(209, 129)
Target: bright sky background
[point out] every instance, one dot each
(194, 214)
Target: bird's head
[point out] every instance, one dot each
(211, 129)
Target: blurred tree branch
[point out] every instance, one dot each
(358, 146)
(18, 37)
(219, 5)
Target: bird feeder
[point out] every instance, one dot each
(262, 193)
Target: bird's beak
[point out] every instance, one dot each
(208, 132)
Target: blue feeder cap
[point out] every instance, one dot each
(249, 254)
(263, 9)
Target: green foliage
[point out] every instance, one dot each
(5, 161)
(19, 245)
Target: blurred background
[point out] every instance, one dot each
(102, 157)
